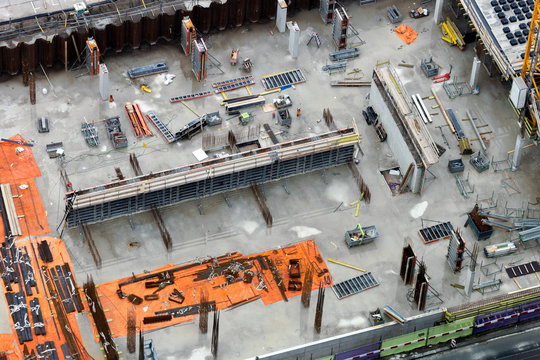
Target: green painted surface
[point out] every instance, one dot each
(327, 358)
(403, 339)
(460, 324)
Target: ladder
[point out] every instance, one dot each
(162, 128)
(190, 96)
(354, 285)
(282, 79)
(235, 85)
(231, 81)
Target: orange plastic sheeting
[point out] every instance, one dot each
(8, 345)
(60, 256)
(221, 277)
(405, 33)
(16, 167)
(29, 208)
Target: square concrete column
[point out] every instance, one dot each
(518, 149)
(437, 13)
(475, 72)
(281, 15)
(103, 82)
(469, 282)
(294, 38)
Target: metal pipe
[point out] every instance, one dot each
(428, 116)
(476, 131)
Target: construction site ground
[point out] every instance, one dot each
(319, 204)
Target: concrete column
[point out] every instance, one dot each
(475, 72)
(518, 149)
(294, 38)
(469, 282)
(281, 15)
(437, 13)
(104, 82)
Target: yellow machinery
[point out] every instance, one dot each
(451, 34)
(530, 72)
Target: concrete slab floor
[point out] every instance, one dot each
(309, 210)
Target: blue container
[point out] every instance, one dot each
(484, 235)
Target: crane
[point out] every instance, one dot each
(529, 116)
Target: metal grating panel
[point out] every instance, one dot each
(231, 81)
(436, 232)
(190, 96)
(283, 79)
(169, 137)
(354, 285)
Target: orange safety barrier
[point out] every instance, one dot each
(405, 33)
(230, 280)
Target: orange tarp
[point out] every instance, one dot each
(221, 277)
(60, 256)
(405, 33)
(17, 170)
(16, 167)
(8, 345)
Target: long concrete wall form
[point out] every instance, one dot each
(210, 177)
(404, 151)
(355, 339)
(157, 20)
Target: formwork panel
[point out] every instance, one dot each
(209, 186)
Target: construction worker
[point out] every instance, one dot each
(298, 112)
(111, 98)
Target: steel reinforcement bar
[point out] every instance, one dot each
(210, 177)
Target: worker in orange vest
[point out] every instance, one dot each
(298, 112)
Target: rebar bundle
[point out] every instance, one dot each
(131, 331)
(360, 182)
(329, 119)
(204, 309)
(32, 85)
(102, 325)
(232, 139)
(262, 204)
(25, 71)
(306, 289)
(141, 344)
(75, 347)
(87, 235)
(215, 334)
(319, 311)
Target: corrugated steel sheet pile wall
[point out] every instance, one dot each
(133, 31)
